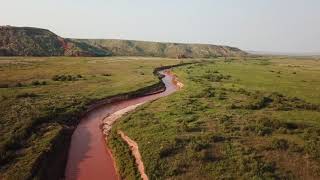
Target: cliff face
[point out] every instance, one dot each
(27, 41)
(16, 41)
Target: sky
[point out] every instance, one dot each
(291, 26)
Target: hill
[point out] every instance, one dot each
(159, 49)
(28, 41)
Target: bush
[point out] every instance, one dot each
(19, 84)
(183, 127)
(107, 74)
(210, 92)
(38, 83)
(55, 78)
(66, 77)
(35, 83)
(198, 143)
(222, 96)
(69, 78)
(4, 85)
(263, 131)
(263, 126)
(171, 147)
(313, 148)
(26, 95)
(2, 97)
(280, 144)
(260, 103)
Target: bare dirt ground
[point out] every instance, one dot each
(135, 152)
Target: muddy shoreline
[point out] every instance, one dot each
(172, 84)
(52, 164)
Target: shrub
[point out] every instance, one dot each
(243, 91)
(225, 119)
(222, 96)
(107, 74)
(2, 97)
(4, 85)
(38, 83)
(263, 131)
(69, 78)
(313, 148)
(280, 144)
(258, 102)
(26, 95)
(210, 92)
(198, 143)
(19, 84)
(35, 83)
(65, 77)
(183, 127)
(55, 78)
(263, 126)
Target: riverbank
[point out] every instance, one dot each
(84, 141)
(247, 119)
(51, 101)
(172, 85)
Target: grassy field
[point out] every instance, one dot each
(257, 118)
(39, 97)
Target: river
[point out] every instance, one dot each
(89, 156)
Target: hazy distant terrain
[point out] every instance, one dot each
(158, 49)
(313, 54)
(26, 41)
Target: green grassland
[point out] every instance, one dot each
(252, 118)
(39, 97)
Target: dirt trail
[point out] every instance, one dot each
(136, 154)
(109, 120)
(107, 124)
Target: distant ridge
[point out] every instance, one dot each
(29, 41)
(284, 53)
(159, 49)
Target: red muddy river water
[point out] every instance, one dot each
(89, 157)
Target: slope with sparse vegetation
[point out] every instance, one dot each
(158, 49)
(27, 41)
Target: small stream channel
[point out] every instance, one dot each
(89, 157)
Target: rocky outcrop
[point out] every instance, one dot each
(27, 41)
